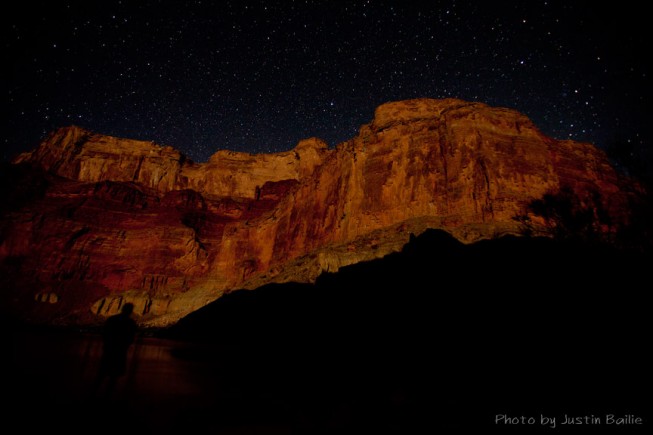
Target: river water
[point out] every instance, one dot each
(184, 387)
(385, 385)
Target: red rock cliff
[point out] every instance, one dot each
(125, 220)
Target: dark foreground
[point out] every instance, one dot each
(178, 387)
(181, 387)
(500, 337)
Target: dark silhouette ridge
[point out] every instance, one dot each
(511, 323)
(434, 268)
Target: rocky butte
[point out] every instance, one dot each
(96, 221)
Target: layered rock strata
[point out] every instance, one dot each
(119, 220)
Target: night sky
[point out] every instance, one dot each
(259, 76)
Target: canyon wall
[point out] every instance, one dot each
(117, 220)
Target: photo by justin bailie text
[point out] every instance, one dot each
(567, 420)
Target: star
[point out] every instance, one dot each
(204, 76)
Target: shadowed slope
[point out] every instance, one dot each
(465, 331)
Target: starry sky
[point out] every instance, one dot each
(258, 76)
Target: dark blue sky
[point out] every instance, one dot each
(259, 76)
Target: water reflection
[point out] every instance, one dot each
(332, 386)
(182, 387)
(167, 384)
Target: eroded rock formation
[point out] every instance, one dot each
(114, 220)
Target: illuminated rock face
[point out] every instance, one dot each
(122, 220)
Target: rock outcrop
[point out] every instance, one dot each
(114, 220)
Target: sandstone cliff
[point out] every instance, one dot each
(120, 220)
